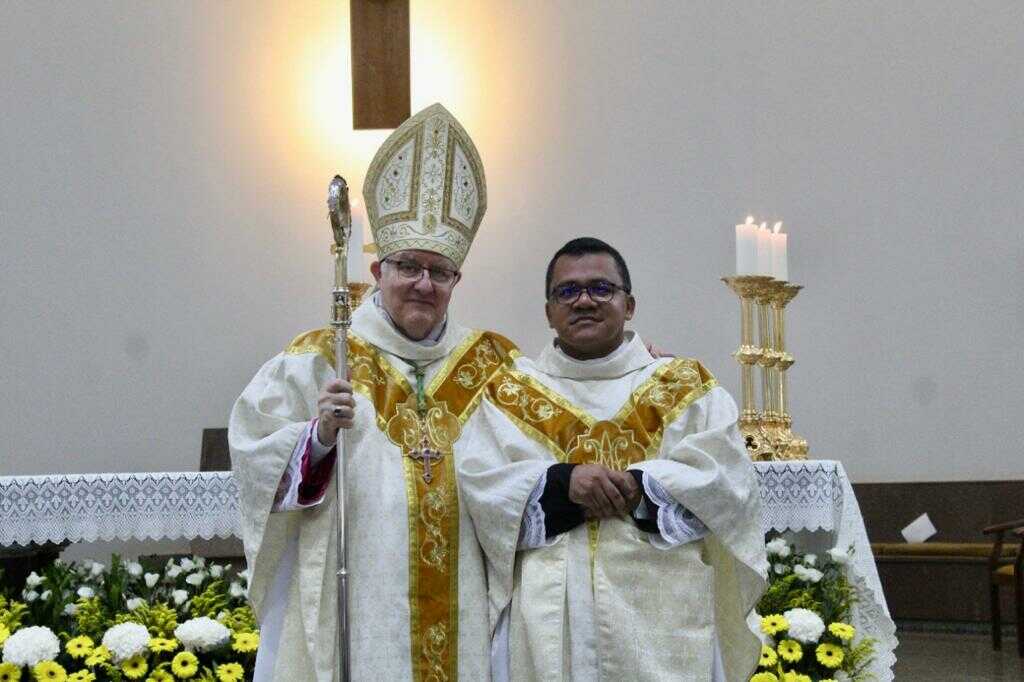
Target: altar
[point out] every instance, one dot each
(811, 502)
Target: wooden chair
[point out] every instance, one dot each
(1003, 571)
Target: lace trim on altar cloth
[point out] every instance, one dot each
(800, 495)
(532, 531)
(139, 506)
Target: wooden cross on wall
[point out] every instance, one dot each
(380, 63)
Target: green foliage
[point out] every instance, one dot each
(11, 613)
(91, 618)
(211, 600)
(240, 619)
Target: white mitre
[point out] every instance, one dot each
(425, 188)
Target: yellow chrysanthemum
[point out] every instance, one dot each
(9, 672)
(82, 676)
(795, 677)
(135, 667)
(230, 672)
(4, 633)
(773, 624)
(842, 631)
(829, 655)
(764, 677)
(245, 642)
(49, 671)
(768, 657)
(790, 650)
(160, 676)
(159, 644)
(185, 665)
(100, 654)
(79, 647)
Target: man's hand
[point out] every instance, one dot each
(336, 407)
(658, 352)
(603, 493)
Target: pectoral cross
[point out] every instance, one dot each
(428, 456)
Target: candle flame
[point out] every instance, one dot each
(750, 220)
(764, 226)
(778, 226)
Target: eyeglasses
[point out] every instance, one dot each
(599, 292)
(413, 271)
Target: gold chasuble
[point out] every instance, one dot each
(605, 601)
(418, 589)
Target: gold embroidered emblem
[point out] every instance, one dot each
(608, 444)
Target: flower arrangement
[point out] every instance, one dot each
(85, 622)
(803, 618)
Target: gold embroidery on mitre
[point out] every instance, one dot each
(425, 188)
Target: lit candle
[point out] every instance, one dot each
(764, 250)
(780, 266)
(746, 247)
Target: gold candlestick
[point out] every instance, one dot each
(766, 432)
(748, 355)
(771, 420)
(794, 446)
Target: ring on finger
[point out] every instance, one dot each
(337, 412)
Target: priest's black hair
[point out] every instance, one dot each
(582, 246)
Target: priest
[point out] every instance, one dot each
(614, 499)
(417, 585)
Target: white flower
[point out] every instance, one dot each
(126, 640)
(196, 579)
(28, 646)
(202, 634)
(781, 568)
(179, 597)
(70, 609)
(200, 562)
(45, 595)
(151, 579)
(96, 569)
(236, 590)
(33, 580)
(840, 676)
(173, 571)
(779, 547)
(810, 559)
(840, 556)
(134, 568)
(135, 603)
(86, 592)
(804, 625)
(216, 570)
(244, 575)
(30, 595)
(808, 575)
(187, 564)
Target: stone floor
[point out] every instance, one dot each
(934, 656)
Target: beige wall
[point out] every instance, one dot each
(164, 167)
